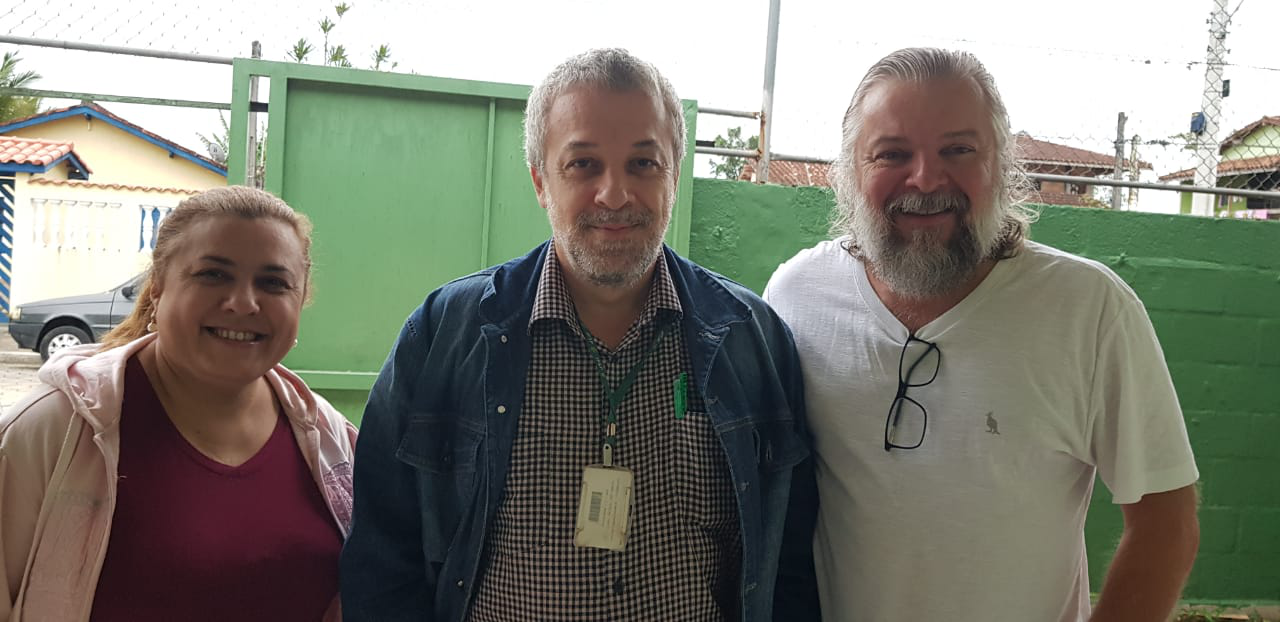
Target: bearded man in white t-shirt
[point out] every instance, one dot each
(965, 384)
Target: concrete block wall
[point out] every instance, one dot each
(1212, 288)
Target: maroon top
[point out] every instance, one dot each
(194, 539)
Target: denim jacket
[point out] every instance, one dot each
(437, 434)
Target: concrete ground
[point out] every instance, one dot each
(17, 370)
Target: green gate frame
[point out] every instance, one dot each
(341, 344)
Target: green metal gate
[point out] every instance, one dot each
(411, 181)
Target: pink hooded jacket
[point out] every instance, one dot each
(59, 448)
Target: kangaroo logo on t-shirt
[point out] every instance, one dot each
(993, 426)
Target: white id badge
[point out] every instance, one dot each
(604, 511)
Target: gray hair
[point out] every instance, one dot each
(614, 69)
(924, 65)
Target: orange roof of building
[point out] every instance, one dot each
(1243, 166)
(1061, 198)
(15, 150)
(1032, 151)
(42, 181)
(790, 173)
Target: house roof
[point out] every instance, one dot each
(1243, 166)
(1245, 131)
(1061, 198)
(790, 173)
(34, 155)
(41, 181)
(1033, 151)
(92, 110)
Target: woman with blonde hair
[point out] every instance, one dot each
(178, 471)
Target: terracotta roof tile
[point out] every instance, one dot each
(41, 181)
(15, 150)
(791, 173)
(1243, 166)
(1032, 152)
(1061, 198)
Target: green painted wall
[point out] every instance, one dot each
(1260, 142)
(1212, 288)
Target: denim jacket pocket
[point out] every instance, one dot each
(445, 451)
(778, 445)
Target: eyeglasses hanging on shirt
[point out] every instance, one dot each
(905, 426)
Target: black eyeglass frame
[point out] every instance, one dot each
(895, 408)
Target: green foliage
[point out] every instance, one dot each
(338, 57)
(382, 55)
(13, 106)
(219, 146)
(334, 54)
(300, 51)
(730, 167)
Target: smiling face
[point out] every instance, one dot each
(227, 306)
(926, 164)
(608, 183)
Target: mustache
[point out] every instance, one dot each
(930, 203)
(625, 217)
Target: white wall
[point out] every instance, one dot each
(78, 239)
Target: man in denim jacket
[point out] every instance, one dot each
(599, 429)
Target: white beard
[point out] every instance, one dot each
(924, 265)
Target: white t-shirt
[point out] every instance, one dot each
(1049, 370)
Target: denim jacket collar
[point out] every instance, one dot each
(508, 298)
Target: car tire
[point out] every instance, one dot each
(61, 338)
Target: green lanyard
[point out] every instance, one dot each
(618, 394)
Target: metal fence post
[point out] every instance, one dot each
(1116, 199)
(766, 115)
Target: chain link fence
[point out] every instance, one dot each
(1099, 123)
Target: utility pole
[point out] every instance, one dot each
(1116, 193)
(1206, 175)
(766, 115)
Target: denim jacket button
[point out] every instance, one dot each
(460, 584)
(503, 339)
(502, 410)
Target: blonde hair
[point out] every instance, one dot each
(238, 201)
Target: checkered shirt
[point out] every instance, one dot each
(683, 556)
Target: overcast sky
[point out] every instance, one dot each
(1065, 69)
